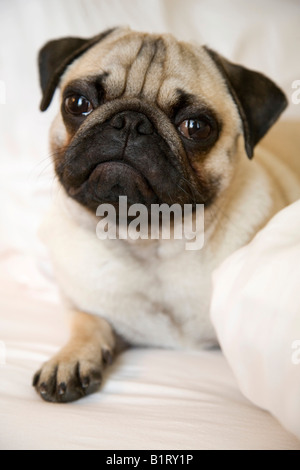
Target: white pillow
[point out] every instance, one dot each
(256, 312)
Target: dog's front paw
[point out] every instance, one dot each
(71, 375)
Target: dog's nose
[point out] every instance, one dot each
(132, 121)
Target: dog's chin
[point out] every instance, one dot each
(110, 180)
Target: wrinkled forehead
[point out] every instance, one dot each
(149, 66)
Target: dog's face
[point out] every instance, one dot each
(151, 118)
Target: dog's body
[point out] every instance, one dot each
(151, 292)
(155, 292)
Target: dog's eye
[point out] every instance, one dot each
(195, 129)
(78, 105)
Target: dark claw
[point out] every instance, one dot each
(62, 388)
(85, 382)
(36, 379)
(107, 357)
(96, 378)
(43, 389)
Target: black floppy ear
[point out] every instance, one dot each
(259, 101)
(55, 57)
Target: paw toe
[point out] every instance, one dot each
(66, 383)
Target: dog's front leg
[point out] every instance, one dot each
(76, 370)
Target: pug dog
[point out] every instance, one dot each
(161, 122)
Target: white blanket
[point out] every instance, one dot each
(256, 312)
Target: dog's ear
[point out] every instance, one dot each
(55, 57)
(259, 101)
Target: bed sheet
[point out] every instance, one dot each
(150, 399)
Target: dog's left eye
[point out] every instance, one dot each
(195, 129)
(78, 105)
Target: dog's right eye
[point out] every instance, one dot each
(78, 105)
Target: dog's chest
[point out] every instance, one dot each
(154, 297)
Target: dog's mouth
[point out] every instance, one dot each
(126, 156)
(110, 180)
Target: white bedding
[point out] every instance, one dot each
(153, 399)
(256, 312)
